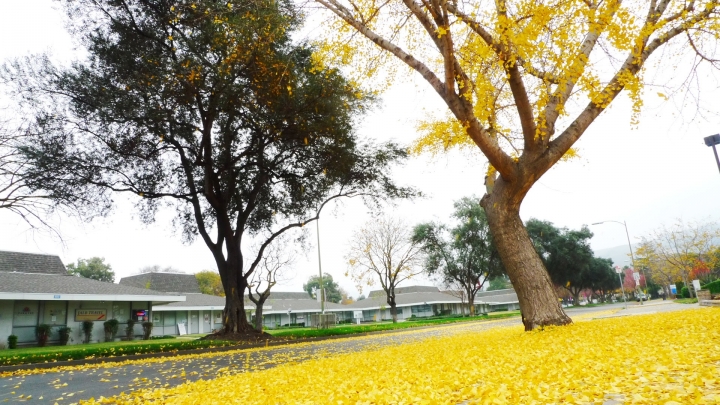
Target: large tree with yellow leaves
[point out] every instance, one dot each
(523, 80)
(204, 107)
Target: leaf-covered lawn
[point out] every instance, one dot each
(667, 358)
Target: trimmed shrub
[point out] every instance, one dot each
(714, 287)
(87, 327)
(111, 329)
(685, 292)
(64, 335)
(130, 329)
(162, 337)
(147, 330)
(12, 341)
(42, 332)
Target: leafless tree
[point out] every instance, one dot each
(383, 251)
(275, 260)
(16, 195)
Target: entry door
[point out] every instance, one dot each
(194, 322)
(25, 318)
(206, 322)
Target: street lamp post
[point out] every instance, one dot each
(713, 140)
(622, 287)
(632, 255)
(322, 290)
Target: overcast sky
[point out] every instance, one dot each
(648, 176)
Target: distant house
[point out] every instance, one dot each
(423, 301)
(36, 289)
(202, 313)
(290, 308)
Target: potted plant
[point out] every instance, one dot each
(87, 327)
(111, 328)
(12, 341)
(64, 332)
(130, 329)
(147, 330)
(42, 332)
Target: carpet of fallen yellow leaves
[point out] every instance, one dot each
(668, 358)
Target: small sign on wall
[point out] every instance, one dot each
(90, 315)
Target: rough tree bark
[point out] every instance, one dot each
(539, 304)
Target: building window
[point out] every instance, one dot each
(418, 309)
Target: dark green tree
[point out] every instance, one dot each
(463, 255)
(94, 268)
(566, 254)
(208, 108)
(331, 288)
(602, 278)
(499, 283)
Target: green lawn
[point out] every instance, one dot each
(375, 327)
(60, 353)
(686, 301)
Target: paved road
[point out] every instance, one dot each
(66, 387)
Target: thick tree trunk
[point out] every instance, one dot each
(259, 315)
(539, 303)
(393, 311)
(576, 298)
(235, 320)
(471, 303)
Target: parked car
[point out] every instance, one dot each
(641, 296)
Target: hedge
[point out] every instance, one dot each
(714, 287)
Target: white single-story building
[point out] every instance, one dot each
(35, 289)
(425, 301)
(202, 313)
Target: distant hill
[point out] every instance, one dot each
(620, 255)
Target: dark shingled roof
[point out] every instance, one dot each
(30, 263)
(405, 290)
(196, 300)
(33, 283)
(167, 282)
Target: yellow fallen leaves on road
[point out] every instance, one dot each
(666, 358)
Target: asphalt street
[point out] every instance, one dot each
(67, 387)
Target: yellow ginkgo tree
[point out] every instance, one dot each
(522, 80)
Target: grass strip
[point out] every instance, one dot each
(47, 354)
(352, 329)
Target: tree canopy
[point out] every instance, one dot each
(463, 255)
(332, 291)
(676, 252)
(94, 268)
(522, 80)
(210, 283)
(208, 108)
(569, 259)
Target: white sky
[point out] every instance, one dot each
(646, 176)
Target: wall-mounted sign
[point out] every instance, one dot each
(56, 296)
(90, 315)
